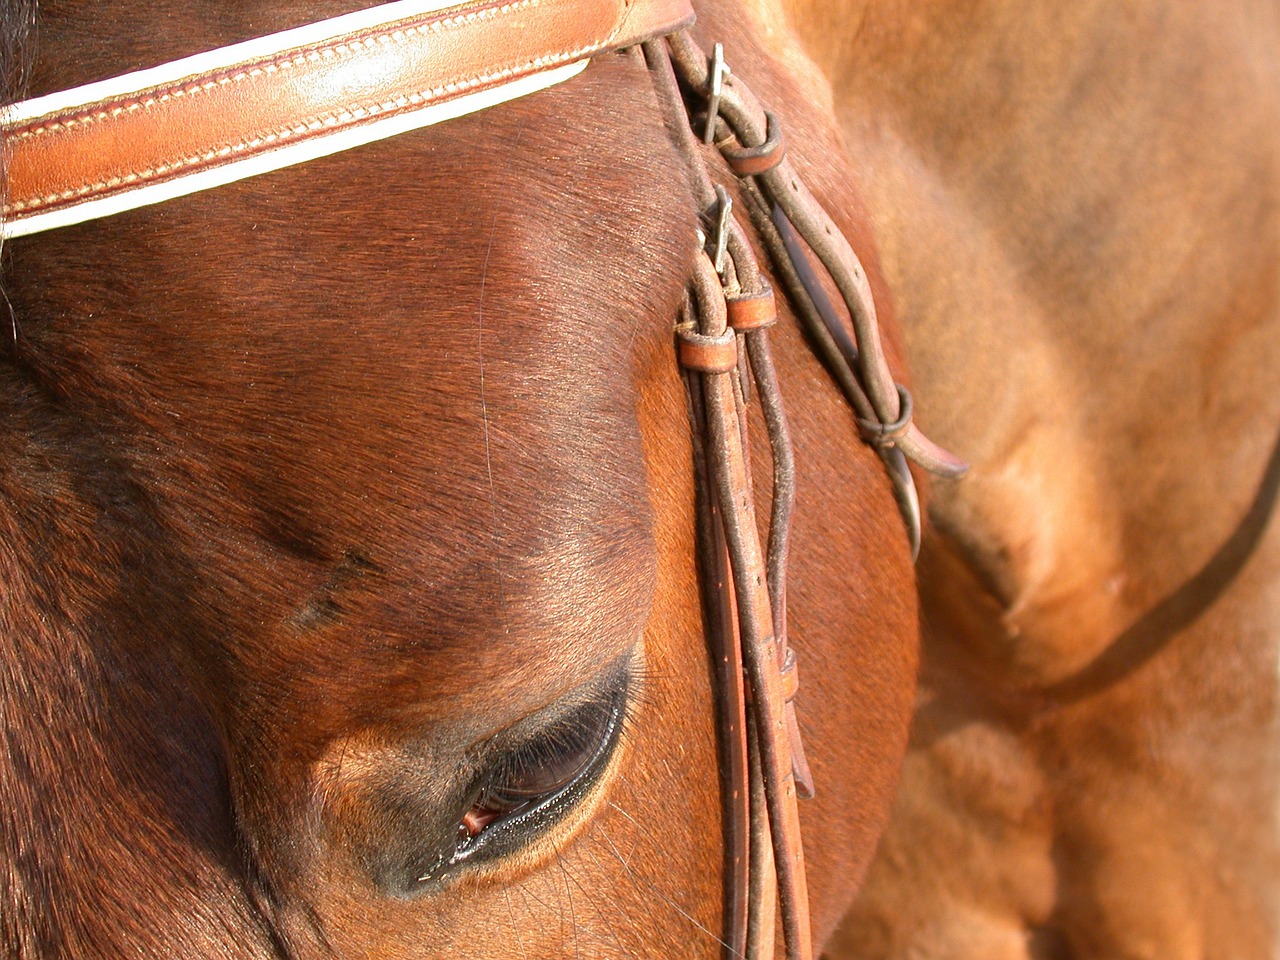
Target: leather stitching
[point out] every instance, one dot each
(346, 47)
(331, 121)
(353, 113)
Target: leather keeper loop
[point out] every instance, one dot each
(790, 677)
(753, 161)
(708, 354)
(752, 311)
(887, 434)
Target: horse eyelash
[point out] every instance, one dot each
(639, 698)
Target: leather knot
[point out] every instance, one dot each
(881, 435)
(753, 161)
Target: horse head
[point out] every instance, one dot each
(350, 599)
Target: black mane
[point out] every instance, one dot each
(17, 19)
(17, 24)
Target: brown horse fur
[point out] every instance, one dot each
(1078, 206)
(311, 484)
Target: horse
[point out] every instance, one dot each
(334, 492)
(268, 604)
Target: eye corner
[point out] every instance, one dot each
(532, 787)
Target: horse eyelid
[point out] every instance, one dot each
(590, 745)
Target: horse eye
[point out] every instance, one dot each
(542, 771)
(524, 786)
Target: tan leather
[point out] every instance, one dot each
(790, 674)
(718, 354)
(752, 311)
(205, 121)
(758, 160)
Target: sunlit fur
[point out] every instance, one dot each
(1078, 207)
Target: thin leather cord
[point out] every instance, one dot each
(748, 121)
(783, 505)
(784, 471)
(826, 314)
(763, 890)
(882, 407)
(783, 187)
(759, 649)
(744, 870)
(783, 211)
(761, 358)
(731, 704)
(827, 339)
(748, 277)
(775, 825)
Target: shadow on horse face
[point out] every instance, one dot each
(332, 491)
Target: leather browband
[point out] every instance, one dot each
(257, 106)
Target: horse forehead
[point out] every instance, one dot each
(392, 391)
(482, 360)
(462, 302)
(464, 310)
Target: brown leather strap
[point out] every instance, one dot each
(760, 653)
(719, 609)
(161, 133)
(754, 161)
(869, 383)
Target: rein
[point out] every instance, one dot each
(265, 104)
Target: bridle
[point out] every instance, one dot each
(258, 106)
(730, 305)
